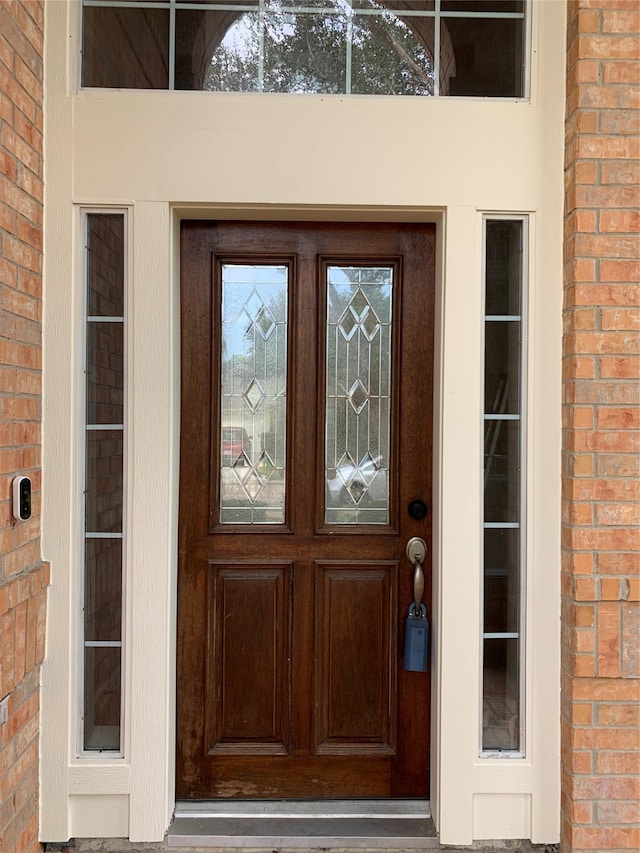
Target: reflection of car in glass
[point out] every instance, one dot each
(236, 446)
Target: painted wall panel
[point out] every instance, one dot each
(292, 149)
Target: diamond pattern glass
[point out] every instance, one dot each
(254, 394)
(358, 389)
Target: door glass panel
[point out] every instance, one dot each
(254, 394)
(358, 389)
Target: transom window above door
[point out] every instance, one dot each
(470, 48)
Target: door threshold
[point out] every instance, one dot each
(299, 824)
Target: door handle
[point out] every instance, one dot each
(416, 552)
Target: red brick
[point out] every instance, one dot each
(623, 294)
(586, 172)
(606, 246)
(607, 196)
(621, 318)
(620, 22)
(606, 47)
(620, 368)
(608, 621)
(623, 271)
(612, 812)
(597, 538)
(618, 514)
(611, 589)
(615, 838)
(618, 763)
(632, 592)
(612, 341)
(599, 737)
(618, 714)
(582, 812)
(613, 418)
(621, 172)
(600, 391)
(603, 490)
(585, 615)
(623, 563)
(622, 221)
(581, 466)
(607, 97)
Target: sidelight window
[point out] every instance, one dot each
(104, 488)
(504, 482)
(471, 48)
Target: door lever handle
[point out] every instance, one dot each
(416, 552)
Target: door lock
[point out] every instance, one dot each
(416, 552)
(416, 635)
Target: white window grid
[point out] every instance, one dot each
(520, 635)
(86, 428)
(342, 7)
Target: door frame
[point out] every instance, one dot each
(360, 215)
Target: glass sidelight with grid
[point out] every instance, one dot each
(503, 485)
(104, 490)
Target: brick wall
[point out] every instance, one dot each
(23, 578)
(600, 537)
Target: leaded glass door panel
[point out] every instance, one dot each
(307, 355)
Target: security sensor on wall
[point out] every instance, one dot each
(22, 498)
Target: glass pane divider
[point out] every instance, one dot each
(129, 4)
(261, 25)
(501, 635)
(103, 644)
(502, 318)
(436, 51)
(501, 525)
(251, 7)
(103, 427)
(505, 417)
(96, 318)
(92, 535)
(172, 47)
(503, 16)
(95, 535)
(349, 51)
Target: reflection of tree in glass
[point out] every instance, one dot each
(308, 53)
(358, 362)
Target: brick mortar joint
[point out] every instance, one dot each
(41, 566)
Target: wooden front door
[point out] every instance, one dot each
(306, 443)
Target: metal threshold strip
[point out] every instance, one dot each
(346, 824)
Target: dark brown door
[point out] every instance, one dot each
(307, 356)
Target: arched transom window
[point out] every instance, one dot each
(472, 48)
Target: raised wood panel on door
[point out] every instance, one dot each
(247, 701)
(355, 682)
(290, 635)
